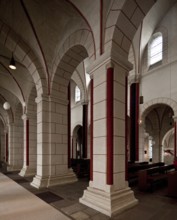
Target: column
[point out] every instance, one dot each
(141, 143)
(91, 129)
(10, 147)
(29, 153)
(3, 145)
(156, 147)
(69, 126)
(108, 191)
(84, 127)
(52, 143)
(6, 147)
(16, 144)
(134, 122)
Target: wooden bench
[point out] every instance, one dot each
(172, 184)
(133, 169)
(149, 178)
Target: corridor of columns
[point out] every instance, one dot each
(92, 94)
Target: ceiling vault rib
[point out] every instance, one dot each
(90, 29)
(38, 41)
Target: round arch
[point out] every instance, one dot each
(80, 38)
(121, 26)
(146, 107)
(68, 63)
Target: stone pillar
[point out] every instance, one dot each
(69, 126)
(134, 122)
(15, 141)
(6, 147)
(52, 143)
(29, 159)
(3, 145)
(108, 191)
(10, 147)
(156, 148)
(91, 129)
(141, 143)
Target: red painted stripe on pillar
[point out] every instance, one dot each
(175, 140)
(84, 122)
(137, 122)
(27, 142)
(109, 117)
(7, 146)
(126, 131)
(69, 126)
(91, 130)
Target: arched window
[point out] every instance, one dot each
(77, 94)
(156, 49)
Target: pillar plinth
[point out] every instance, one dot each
(109, 202)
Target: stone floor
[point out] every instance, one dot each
(152, 206)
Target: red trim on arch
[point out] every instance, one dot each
(91, 130)
(27, 142)
(110, 127)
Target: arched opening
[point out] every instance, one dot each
(158, 121)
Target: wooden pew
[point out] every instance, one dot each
(135, 167)
(149, 178)
(172, 184)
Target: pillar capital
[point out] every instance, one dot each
(24, 117)
(109, 59)
(84, 102)
(41, 97)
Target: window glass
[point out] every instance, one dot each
(77, 94)
(155, 54)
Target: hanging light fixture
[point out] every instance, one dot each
(12, 63)
(6, 106)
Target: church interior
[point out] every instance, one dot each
(88, 109)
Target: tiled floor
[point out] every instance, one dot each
(152, 206)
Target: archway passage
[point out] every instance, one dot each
(79, 164)
(158, 121)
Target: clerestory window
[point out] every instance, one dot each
(77, 94)
(155, 49)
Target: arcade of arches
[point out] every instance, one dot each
(94, 84)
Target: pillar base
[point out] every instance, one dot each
(69, 177)
(27, 171)
(11, 168)
(40, 182)
(109, 203)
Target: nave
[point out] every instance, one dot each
(65, 204)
